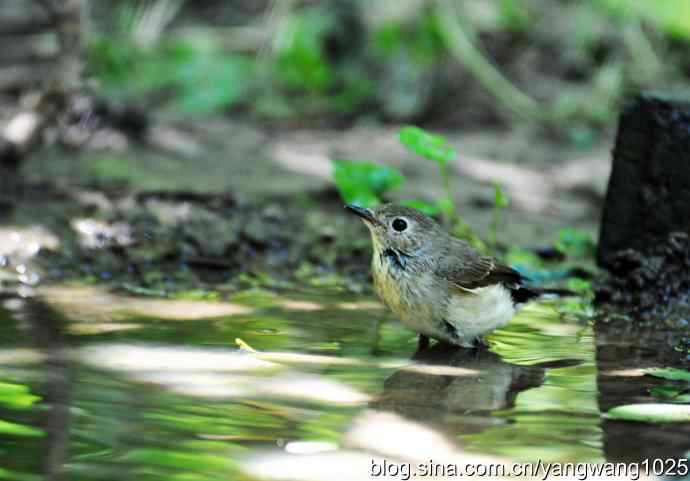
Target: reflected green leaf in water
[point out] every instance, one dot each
(670, 393)
(17, 476)
(546, 436)
(256, 297)
(546, 419)
(326, 426)
(670, 373)
(394, 338)
(539, 333)
(231, 419)
(194, 461)
(15, 429)
(128, 424)
(16, 396)
(651, 413)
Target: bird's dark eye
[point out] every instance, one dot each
(399, 225)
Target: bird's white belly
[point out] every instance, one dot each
(480, 311)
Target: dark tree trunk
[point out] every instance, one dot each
(649, 189)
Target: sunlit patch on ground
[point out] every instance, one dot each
(25, 242)
(623, 372)
(206, 373)
(300, 305)
(96, 234)
(96, 303)
(18, 245)
(359, 305)
(86, 328)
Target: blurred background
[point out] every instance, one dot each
(529, 82)
(258, 99)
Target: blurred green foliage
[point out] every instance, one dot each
(671, 393)
(651, 413)
(669, 373)
(16, 396)
(672, 17)
(427, 145)
(393, 64)
(421, 42)
(365, 183)
(203, 79)
(514, 15)
(500, 203)
(300, 63)
(575, 243)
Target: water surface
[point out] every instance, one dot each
(96, 385)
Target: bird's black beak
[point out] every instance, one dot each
(365, 214)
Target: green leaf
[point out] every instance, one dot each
(427, 145)
(426, 207)
(651, 413)
(579, 285)
(574, 243)
(667, 392)
(446, 206)
(211, 83)
(16, 396)
(364, 183)
(300, 63)
(15, 429)
(500, 199)
(670, 373)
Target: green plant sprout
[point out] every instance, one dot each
(574, 243)
(500, 203)
(435, 148)
(365, 183)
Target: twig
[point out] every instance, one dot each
(461, 47)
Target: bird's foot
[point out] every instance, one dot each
(480, 342)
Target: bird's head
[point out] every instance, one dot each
(403, 229)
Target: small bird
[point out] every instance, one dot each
(437, 284)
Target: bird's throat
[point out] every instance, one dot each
(396, 259)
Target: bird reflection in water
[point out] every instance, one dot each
(456, 388)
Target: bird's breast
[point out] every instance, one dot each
(411, 294)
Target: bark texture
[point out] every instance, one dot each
(648, 196)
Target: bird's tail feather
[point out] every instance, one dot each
(524, 294)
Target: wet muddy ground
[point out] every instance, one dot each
(199, 205)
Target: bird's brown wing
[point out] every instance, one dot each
(466, 268)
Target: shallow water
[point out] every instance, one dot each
(95, 385)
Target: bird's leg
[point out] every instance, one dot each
(423, 343)
(480, 342)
